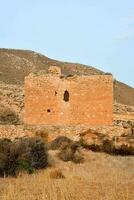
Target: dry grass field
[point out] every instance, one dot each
(99, 177)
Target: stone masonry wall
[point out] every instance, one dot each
(77, 100)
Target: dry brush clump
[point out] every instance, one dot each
(22, 154)
(68, 149)
(71, 152)
(93, 146)
(8, 116)
(56, 174)
(41, 133)
(108, 146)
(58, 142)
(111, 147)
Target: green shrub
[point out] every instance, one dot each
(23, 165)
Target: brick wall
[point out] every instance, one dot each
(56, 100)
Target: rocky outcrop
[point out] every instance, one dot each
(121, 108)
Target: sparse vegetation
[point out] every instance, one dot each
(123, 149)
(93, 147)
(8, 116)
(70, 152)
(98, 177)
(56, 174)
(41, 133)
(23, 154)
(59, 142)
(101, 176)
(69, 149)
(108, 146)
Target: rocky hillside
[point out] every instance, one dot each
(16, 64)
(123, 93)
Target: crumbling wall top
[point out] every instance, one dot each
(54, 70)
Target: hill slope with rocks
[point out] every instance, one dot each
(16, 64)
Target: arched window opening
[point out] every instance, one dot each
(66, 96)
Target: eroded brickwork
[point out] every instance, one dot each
(55, 100)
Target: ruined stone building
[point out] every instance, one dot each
(53, 99)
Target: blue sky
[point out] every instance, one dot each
(93, 32)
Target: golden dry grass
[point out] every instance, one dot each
(100, 177)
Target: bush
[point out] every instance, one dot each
(108, 146)
(58, 142)
(70, 152)
(4, 150)
(93, 147)
(23, 154)
(123, 150)
(23, 165)
(8, 116)
(56, 174)
(4, 144)
(68, 149)
(42, 134)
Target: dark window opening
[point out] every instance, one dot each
(55, 93)
(48, 110)
(66, 96)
